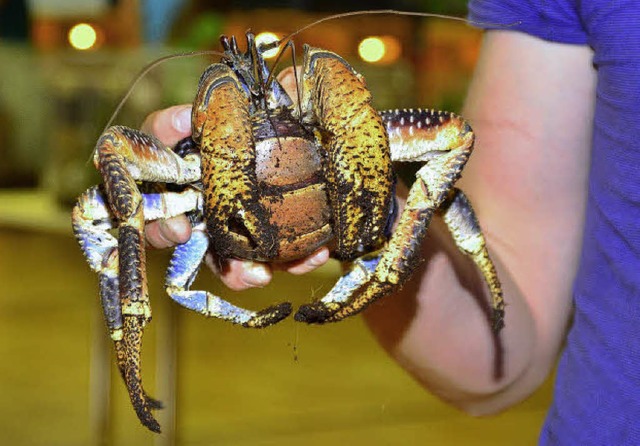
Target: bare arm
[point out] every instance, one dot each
(531, 106)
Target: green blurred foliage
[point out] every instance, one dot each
(203, 32)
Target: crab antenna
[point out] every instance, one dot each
(276, 44)
(148, 68)
(285, 40)
(290, 44)
(394, 12)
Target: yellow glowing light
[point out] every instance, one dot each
(82, 36)
(372, 49)
(266, 38)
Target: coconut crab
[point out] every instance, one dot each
(268, 179)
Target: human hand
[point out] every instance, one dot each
(170, 126)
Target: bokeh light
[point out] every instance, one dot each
(380, 49)
(371, 49)
(267, 37)
(82, 36)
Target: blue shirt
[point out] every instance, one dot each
(597, 391)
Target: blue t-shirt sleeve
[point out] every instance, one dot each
(556, 20)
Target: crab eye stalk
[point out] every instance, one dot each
(234, 45)
(224, 41)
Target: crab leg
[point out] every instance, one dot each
(444, 142)
(400, 255)
(183, 269)
(124, 156)
(418, 135)
(397, 259)
(92, 220)
(467, 235)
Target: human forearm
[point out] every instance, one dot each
(436, 328)
(531, 107)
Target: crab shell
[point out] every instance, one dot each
(292, 191)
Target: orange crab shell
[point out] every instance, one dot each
(289, 173)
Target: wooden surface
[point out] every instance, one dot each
(287, 385)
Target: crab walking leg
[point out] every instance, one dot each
(91, 224)
(467, 235)
(418, 134)
(465, 230)
(400, 255)
(183, 269)
(124, 156)
(444, 142)
(92, 220)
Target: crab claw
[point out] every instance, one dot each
(269, 316)
(130, 346)
(153, 403)
(316, 312)
(354, 281)
(143, 410)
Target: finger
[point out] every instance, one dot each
(287, 79)
(169, 125)
(308, 264)
(169, 232)
(240, 275)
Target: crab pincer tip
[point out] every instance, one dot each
(314, 313)
(150, 422)
(154, 404)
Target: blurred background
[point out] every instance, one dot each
(64, 64)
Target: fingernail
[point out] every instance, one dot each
(255, 274)
(319, 258)
(182, 120)
(175, 229)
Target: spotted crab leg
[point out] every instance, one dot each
(184, 266)
(460, 218)
(92, 221)
(442, 141)
(123, 157)
(399, 256)
(420, 134)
